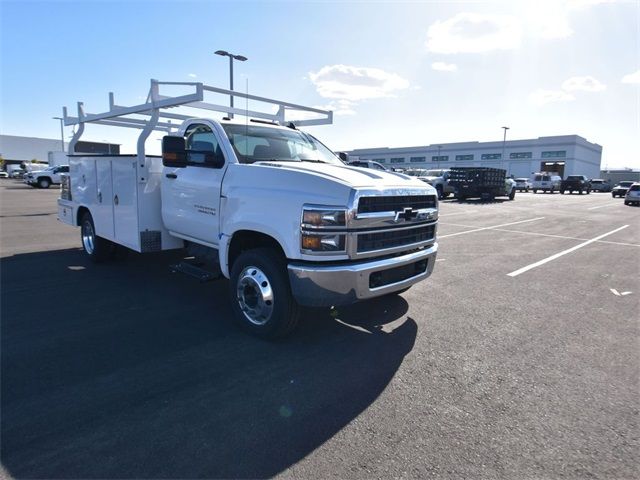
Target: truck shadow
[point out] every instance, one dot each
(127, 371)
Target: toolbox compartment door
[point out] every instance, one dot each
(125, 202)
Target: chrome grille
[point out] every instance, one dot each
(395, 203)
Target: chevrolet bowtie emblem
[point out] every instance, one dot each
(407, 215)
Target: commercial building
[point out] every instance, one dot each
(565, 154)
(15, 149)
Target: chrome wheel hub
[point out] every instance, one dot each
(255, 296)
(88, 237)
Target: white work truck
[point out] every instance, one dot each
(262, 204)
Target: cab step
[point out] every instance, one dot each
(196, 270)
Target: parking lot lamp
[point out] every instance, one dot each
(232, 57)
(504, 142)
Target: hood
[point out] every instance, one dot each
(356, 177)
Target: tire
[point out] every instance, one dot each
(512, 195)
(562, 192)
(260, 294)
(613, 195)
(44, 183)
(535, 190)
(440, 193)
(97, 248)
(588, 191)
(626, 202)
(551, 190)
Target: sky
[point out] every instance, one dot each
(396, 74)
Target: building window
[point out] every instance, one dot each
(441, 158)
(379, 160)
(417, 159)
(521, 155)
(555, 154)
(464, 157)
(397, 160)
(491, 156)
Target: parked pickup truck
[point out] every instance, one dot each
(47, 177)
(576, 183)
(266, 206)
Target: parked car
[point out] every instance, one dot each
(437, 178)
(17, 174)
(4, 175)
(633, 195)
(600, 185)
(620, 190)
(46, 178)
(546, 182)
(523, 184)
(576, 183)
(368, 164)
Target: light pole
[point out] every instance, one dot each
(439, 148)
(61, 131)
(504, 141)
(232, 57)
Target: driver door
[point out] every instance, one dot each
(191, 195)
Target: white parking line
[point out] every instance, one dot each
(564, 237)
(564, 252)
(487, 228)
(603, 206)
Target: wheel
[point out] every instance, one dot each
(98, 248)
(445, 195)
(439, 190)
(261, 295)
(512, 195)
(588, 191)
(535, 190)
(44, 183)
(627, 202)
(613, 195)
(551, 190)
(562, 192)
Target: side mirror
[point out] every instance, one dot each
(174, 152)
(343, 156)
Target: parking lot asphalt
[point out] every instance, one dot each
(518, 358)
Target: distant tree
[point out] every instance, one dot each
(1, 163)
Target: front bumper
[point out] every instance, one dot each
(320, 285)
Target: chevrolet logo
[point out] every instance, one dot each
(407, 215)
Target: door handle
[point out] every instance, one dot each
(171, 175)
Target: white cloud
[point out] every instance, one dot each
(542, 97)
(356, 83)
(583, 84)
(632, 78)
(474, 33)
(192, 75)
(444, 67)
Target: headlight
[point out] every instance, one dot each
(333, 242)
(318, 218)
(323, 229)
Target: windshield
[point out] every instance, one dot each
(521, 179)
(435, 173)
(254, 144)
(626, 184)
